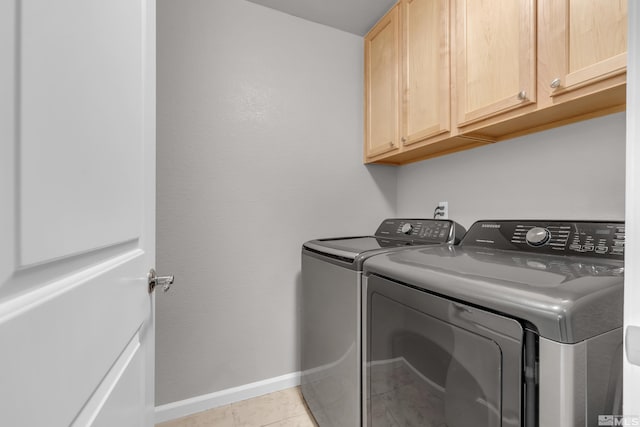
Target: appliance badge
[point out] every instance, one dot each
(491, 226)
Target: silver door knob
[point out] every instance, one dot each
(522, 95)
(154, 280)
(555, 83)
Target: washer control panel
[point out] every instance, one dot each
(590, 238)
(421, 230)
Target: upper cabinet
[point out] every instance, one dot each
(382, 80)
(582, 42)
(408, 84)
(495, 57)
(448, 75)
(425, 82)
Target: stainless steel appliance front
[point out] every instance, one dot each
(432, 361)
(330, 314)
(446, 327)
(330, 341)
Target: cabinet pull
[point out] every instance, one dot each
(555, 83)
(522, 95)
(391, 144)
(404, 139)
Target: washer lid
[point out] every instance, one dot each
(568, 299)
(350, 248)
(391, 233)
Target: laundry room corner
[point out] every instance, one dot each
(260, 125)
(259, 149)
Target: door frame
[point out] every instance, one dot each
(631, 394)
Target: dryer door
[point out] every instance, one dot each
(432, 361)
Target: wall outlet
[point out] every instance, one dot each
(443, 210)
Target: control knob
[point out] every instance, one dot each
(406, 228)
(538, 236)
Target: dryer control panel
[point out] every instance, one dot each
(421, 230)
(585, 238)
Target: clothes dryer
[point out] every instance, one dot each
(518, 326)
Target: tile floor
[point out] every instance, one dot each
(284, 408)
(402, 396)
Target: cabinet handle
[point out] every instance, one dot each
(391, 144)
(522, 95)
(404, 139)
(555, 83)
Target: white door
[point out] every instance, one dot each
(77, 212)
(631, 380)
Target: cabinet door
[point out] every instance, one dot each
(591, 41)
(495, 54)
(382, 86)
(425, 69)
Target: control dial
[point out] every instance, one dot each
(538, 236)
(406, 228)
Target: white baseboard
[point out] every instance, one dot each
(182, 408)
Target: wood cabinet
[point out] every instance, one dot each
(580, 67)
(382, 103)
(582, 42)
(471, 72)
(408, 102)
(495, 57)
(425, 78)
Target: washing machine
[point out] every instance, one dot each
(518, 325)
(331, 311)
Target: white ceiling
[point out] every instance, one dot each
(353, 16)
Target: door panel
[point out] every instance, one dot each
(492, 55)
(77, 180)
(429, 360)
(596, 45)
(65, 336)
(495, 52)
(382, 85)
(79, 85)
(426, 83)
(589, 20)
(120, 406)
(426, 369)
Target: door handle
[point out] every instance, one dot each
(632, 341)
(154, 280)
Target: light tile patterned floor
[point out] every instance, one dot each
(284, 408)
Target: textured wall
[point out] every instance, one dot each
(260, 128)
(260, 148)
(572, 172)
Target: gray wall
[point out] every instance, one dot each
(259, 129)
(572, 172)
(260, 148)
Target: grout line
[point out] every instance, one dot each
(281, 420)
(233, 407)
